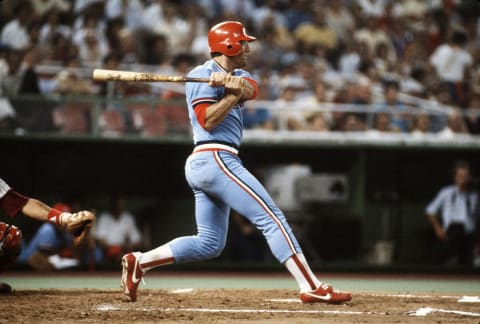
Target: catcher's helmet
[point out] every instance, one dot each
(10, 243)
(225, 38)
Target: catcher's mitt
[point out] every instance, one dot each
(10, 243)
(79, 224)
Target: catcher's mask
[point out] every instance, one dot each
(10, 242)
(226, 38)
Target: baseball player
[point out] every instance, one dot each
(218, 179)
(12, 203)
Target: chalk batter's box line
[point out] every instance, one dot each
(418, 312)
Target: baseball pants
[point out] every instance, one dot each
(219, 182)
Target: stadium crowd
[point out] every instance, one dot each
(366, 54)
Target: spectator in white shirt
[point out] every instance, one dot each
(130, 10)
(450, 60)
(116, 230)
(453, 63)
(14, 33)
(457, 205)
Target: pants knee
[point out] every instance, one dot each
(210, 248)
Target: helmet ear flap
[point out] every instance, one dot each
(233, 49)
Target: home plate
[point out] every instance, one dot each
(469, 299)
(424, 311)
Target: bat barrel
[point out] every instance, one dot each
(130, 76)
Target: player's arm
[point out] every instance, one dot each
(431, 212)
(437, 227)
(250, 89)
(215, 113)
(36, 209)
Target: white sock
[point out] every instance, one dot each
(154, 258)
(300, 270)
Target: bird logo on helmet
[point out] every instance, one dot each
(226, 38)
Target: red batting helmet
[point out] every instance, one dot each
(225, 38)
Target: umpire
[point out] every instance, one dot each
(456, 229)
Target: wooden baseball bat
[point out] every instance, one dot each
(130, 76)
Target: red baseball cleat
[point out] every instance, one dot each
(325, 294)
(132, 274)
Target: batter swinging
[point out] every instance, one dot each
(218, 179)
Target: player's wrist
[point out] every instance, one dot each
(58, 217)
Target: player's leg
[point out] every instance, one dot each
(212, 224)
(244, 193)
(211, 216)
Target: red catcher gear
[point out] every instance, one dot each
(10, 243)
(225, 38)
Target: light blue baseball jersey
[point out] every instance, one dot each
(230, 130)
(219, 182)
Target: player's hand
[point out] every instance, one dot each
(440, 233)
(234, 85)
(217, 79)
(79, 224)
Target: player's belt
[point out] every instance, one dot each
(202, 147)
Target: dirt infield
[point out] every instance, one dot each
(227, 306)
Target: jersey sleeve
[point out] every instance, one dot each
(201, 95)
(434, 207)
(4, 188)
(249, 78)
(12, 202)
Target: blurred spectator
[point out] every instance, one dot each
(453, 63)
(152, 14)
(298, 12)
(71, 80)
(350, 60)
(421, 125)
(53, 26)
(73, 115)
(399, 117)
(92, 50)
(472, 115)
(130, 47)
(21, 76)
(339, 19)
(455, 125)
(353, 123)
(42, 7)
(315, 33)
(319, 120)
(274, 37)
(372, 8)
(289, 116)
(383, 123)
(372, 35)
(176, 30)
(316, 122)
(15, 34)
(268, 11)
(116, 230)
(129, 10)
(158, 51)
(240, 8)
(457, 206)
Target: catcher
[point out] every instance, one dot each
(12, 202)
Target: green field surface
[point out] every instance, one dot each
(158, 280)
